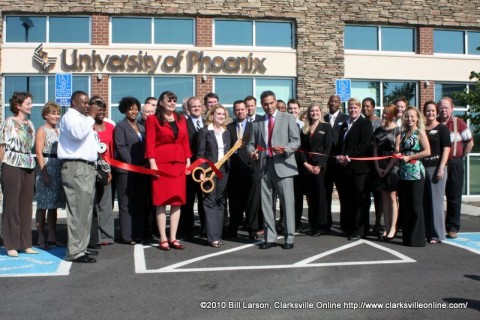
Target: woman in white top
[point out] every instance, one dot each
(213, 143)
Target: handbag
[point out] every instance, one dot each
(101, 177)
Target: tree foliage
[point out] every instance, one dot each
(471, 97)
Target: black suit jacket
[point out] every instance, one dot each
(192, 137)
(240, 161)
(128, 146)
(319, 142)
(207, 145)
(355, 143)
(339, 121)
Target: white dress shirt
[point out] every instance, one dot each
(77, 137)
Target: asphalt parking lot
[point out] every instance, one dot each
(322, 277)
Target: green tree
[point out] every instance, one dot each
(471, 97)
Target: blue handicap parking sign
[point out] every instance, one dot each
(343, 89)
(63, 88)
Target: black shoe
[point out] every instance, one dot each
(287, 246)
(354, 238)
(267, 245)
(91, 252)
(94, 246)
(85, 259)
(315, 233)
(253, 235)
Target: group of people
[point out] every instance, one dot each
(407, 159)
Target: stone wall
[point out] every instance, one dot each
(319, 25)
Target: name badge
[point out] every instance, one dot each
(321, 132)
(433, 131)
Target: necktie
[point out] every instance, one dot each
(250, 119)
(332, 120)
(270, 132)
(239, 131)
(198, 127)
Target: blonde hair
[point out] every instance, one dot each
(212, 111)
(48, 108)
(309, 121)
(420, 122)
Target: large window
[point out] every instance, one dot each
(153, 30)
(379, 38)
(142, 87)
(385, 92)
(456, 42)
(42, 89)
(53, 29)
(254, 33)
(231, 89)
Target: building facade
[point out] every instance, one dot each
(422, 50)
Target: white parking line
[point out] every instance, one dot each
(140, 263)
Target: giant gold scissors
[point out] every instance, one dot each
(207, 184)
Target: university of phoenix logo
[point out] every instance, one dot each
(41, 57)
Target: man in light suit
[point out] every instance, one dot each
(278, 137)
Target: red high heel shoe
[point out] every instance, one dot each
(176, 245)
(164, 246)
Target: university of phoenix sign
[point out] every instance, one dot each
(195, 61)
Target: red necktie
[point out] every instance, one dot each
(270, 131)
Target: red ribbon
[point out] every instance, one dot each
(396, 156)
(143, 170)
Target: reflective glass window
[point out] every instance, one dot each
(448, 90)
(131, 30)
(26, 29)
(448, 41)
(394, 90)
(138, 87)
(231, 89)
(181, 86)
(69, 29)
(234, 32)
(398, 39)
(283, 88)
(273, 34)
(361, 38)
(366, 89)
(174, 31)
(474, 172)
(473, 42)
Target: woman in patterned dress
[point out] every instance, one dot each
(50, 194)
(16, 143)
(413, 145)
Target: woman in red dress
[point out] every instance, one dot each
(168, 151)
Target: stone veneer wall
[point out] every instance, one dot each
(319, 24)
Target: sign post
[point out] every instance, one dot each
(63, 89)
(343, 89)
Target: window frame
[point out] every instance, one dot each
(152, 30)
(379, 40)
(254, 35)
(47, 31)
(114, 104)
(465, 43)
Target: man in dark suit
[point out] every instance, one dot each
(336, 119)
(354, 142)
(278, 136)
(251, 104)
(240, 183)
(194, 124)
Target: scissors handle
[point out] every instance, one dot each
(197, 172)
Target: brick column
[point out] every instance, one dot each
(100, 34)
(425, 46)
(204, 38)
(427, 92)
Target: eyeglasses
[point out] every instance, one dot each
(172, 100)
